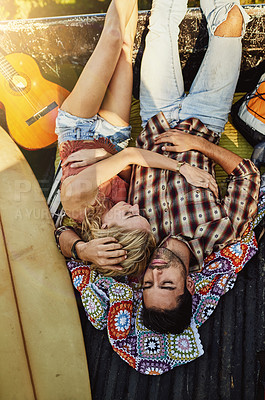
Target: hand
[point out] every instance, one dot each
(197, 177)
(105, 252)
(84, 157)
(181, 140)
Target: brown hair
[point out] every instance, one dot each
(174, 320)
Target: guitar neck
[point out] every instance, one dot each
(6, 68)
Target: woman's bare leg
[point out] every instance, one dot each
(116, 105)
(86, 97)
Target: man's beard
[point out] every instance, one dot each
(173, 260)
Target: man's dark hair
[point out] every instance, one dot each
(175, 320)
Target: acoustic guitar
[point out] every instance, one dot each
(31, 102)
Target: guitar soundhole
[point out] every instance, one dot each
(19, 84)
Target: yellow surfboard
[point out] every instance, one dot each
(42, 354)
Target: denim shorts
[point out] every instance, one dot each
(70, 127)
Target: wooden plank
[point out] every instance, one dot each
(37, 290)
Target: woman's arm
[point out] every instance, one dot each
(79, 190)
(84, 157)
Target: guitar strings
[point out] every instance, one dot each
(9, 75)
(10, 72)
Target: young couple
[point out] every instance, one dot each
(172, 173)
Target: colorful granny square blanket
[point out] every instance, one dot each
(118, 306)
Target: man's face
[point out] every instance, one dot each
(163, 280)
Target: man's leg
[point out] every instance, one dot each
(212, 91)
(161, 77)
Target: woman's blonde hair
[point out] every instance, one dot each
(139, 244)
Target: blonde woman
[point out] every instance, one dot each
(93, 131)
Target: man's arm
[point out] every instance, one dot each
(183, 141)
(225, 158)
(104, 252)
(241, 199)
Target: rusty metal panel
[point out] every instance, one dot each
(62, 45)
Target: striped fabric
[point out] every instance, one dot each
(54, 199)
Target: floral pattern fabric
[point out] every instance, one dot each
(118, 306)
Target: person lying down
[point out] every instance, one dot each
(93, 132)
(172, 174)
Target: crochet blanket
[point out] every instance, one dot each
(117, 306)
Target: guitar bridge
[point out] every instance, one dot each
(41, 113)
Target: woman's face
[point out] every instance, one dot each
(126, 216)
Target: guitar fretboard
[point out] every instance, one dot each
(6, 68)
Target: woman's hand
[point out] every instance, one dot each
(197, 177)
(184, 141)
(105, 252)
(84, 157)
(181, 140)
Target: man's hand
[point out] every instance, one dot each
(181, 140)
(197, 177)
(184, 141)
(105, 252)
